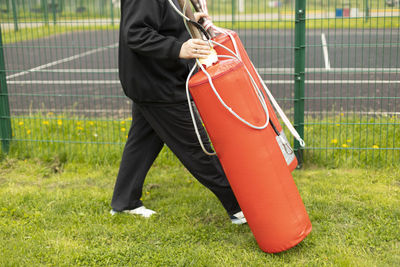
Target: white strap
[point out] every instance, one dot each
(282, 114)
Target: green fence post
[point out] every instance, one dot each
(112, 12)
(5, 121)
(299, 69)
(366, 12)
(233, 12)
(24, 7)
(45, 12)
(101, 8)
(62, 4)
(8, 5)
(53, 6)
(15, 14)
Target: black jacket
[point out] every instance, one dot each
(151, 36)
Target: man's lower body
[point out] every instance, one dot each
(170, 124)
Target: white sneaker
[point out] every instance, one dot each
(143, 211)
(238, 218)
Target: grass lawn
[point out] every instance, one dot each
(25, 34)
(58, 214)
(343, 140)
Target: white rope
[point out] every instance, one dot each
(259, 95)
(262, 101)
(193, 116)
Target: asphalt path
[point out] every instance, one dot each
(346, 71)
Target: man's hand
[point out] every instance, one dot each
(195, 48)
(201, 15)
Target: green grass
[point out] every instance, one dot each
(345, 140)
(26, 34)
(10, 36)
(69, 138)
(348, 140)
(57, 214)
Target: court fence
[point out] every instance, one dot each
(332, 65)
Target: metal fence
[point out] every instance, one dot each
(332, 65)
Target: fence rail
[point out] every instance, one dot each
(332, 65)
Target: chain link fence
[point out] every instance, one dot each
(332, 65)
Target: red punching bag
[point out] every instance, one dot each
(231, 40)
(250, 156)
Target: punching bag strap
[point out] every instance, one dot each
(188, 16)
(200, 28)
(269, 94)
(204, 22)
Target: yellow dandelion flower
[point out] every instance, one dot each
(91, 123)
(345, 145)
(334, 141)
(337, 124)
(79, 128)
(28, 132)
(20, 123)
(147, 193)
(129, 119)
(46, 123)
(348, 140)
(126, 136)
(342, 114)
(79, 123)
(375, 146)
(123, 129)
(59, 122)
(123, 122)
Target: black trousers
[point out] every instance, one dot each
(170, 124)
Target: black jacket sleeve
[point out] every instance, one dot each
(141, 21)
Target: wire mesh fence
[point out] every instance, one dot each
(332, 65)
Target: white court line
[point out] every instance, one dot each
(79, 70)
(61, 82)
(260, 70)
(343, 70)
(63, 60)
(325, 51)
(88, 82)
(334, 82)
